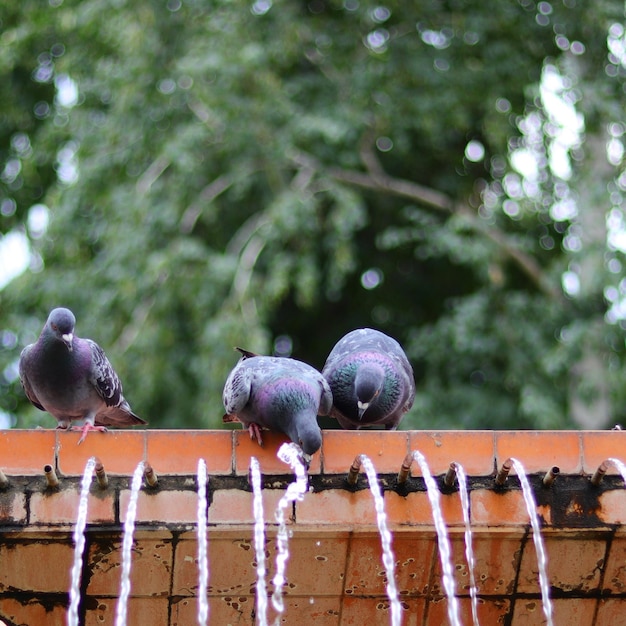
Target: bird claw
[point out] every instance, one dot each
(86, 428)
(255, 433)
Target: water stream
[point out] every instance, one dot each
(469, 548)
(542, 559)
(259, 543)
(445, 554)
(127, 545)
(620, 466)
(288, 453)
(389, 559)
(79, 542)
(203, 564)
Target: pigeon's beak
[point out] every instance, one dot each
(362, 406)
(67, 340)
(304, 457)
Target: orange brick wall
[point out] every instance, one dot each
(335, 575)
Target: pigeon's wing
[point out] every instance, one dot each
(326, 399)
(103, 377)
(409, 380)
(237, 390)
(28, 390)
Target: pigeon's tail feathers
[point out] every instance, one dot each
(246, 354)
(118, 416)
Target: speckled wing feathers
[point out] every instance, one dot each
(237, 390)
(103, 377)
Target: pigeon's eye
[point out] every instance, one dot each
(54, 326)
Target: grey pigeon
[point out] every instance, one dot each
(371, 380)
(72, 378)
(279, 394)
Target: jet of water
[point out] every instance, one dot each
(203, 565)
(127, 544)
(259, 543)
(469, 549)
(389, 560)
(542, 559)
(79, 542)
(445, 553)
(620, 466)
(288, 453)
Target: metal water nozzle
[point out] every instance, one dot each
(150, 475)
(504, 472)
(449, 478)
(355, 468)
(51, 476)
(101, 475)
(405, 469)
(599, 473)
(551, 474)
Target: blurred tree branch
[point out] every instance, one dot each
(376, 179)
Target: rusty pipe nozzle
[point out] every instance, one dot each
(504, 472)
(51, 476)
(599, 473)
(149, 474)
(101, 475)
(449, 478)
(355, 468)
(405, 469)
(4, 481)
(551, 474)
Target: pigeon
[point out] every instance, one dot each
(279, 394)
(371, 380)
(72, 378)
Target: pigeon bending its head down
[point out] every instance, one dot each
(279, 394)
(72, 378)
(371, 380)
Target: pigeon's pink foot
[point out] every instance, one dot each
(86, 428)
(255, 433)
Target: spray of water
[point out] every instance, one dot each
(443, 541)
(79, 542)
(469, 548)
(620, 466)
(203, 564)
(389, 560)
(127, 544)
(259, 543)
(288, 453)
(542, 559)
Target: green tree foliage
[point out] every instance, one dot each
(274, 174)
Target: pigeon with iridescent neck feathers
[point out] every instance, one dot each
(371, 380)
(72, 379)
(280, 394)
